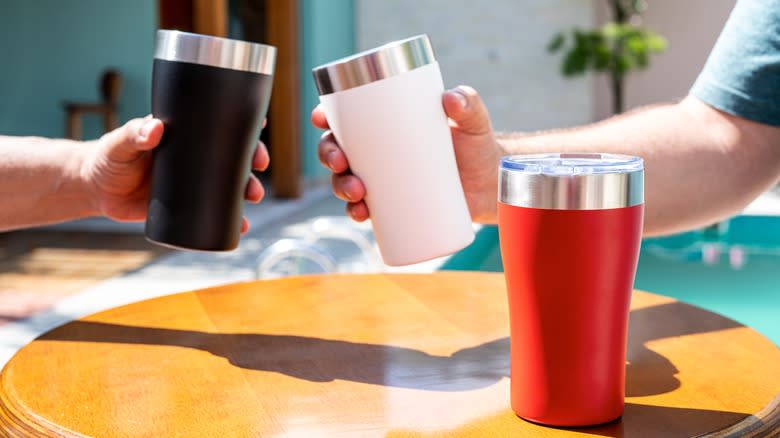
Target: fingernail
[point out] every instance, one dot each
(461, 99)
(146, 128)
(330, 158)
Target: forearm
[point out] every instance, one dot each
(701, 165)
(41, 182)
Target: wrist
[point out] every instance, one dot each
(511, 143)
(486, 190)
(76, 185)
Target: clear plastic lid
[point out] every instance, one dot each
(572, 164)
(571, 181)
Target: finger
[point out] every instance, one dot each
(318, 118)
(254, 190)
(331, 155)
(127, 143)
(348, 187)
(261, 159)
(358, 211)
(265, 122)
(244, 225)
(466, 110)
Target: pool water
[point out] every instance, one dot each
(732, 268)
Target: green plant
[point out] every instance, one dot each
(616, 48)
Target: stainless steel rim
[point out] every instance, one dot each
(173, 45)
(571, 192)
(372, 65)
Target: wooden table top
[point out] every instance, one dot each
(364, 355)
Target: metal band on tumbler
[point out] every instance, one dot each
(373, 65)
(580, 189)
(173, 45)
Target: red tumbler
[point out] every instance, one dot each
(570, 227)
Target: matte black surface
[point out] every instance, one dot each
(212, 118)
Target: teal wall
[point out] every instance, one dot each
(327, 33)
(55, 50)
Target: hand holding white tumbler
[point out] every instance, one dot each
(384, 108)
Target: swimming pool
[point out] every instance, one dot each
(732, 268)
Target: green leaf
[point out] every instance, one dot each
(597, 42)
(601, 58)
(622, 64)
(612, 30)
(556, 42)
(636, 45)
(574, 63)
(641, 60)
(580, 39)
(615, 47)
(655, 43)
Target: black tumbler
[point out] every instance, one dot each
(212, 95)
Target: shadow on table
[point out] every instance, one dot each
(650, 373)
(638, 421)
(317, 359)
(323, 360)
(662, 421)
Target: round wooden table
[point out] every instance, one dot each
(365, 355)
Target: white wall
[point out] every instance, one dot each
(691, 26)
(498, 47)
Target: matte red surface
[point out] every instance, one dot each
(569, 277)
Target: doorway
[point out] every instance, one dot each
(267, 22)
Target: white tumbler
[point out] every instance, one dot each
(384, 108)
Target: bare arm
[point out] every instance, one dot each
(41, 182)
(702, 165)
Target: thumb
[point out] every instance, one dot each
(129, 142)
(466, 111)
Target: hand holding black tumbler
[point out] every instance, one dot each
(212, 95)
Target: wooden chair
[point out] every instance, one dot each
(110, 88)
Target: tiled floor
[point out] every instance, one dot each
(40, 267)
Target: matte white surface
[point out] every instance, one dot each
(499, 48)
(397, 140)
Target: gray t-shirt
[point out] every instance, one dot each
(742, 74)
